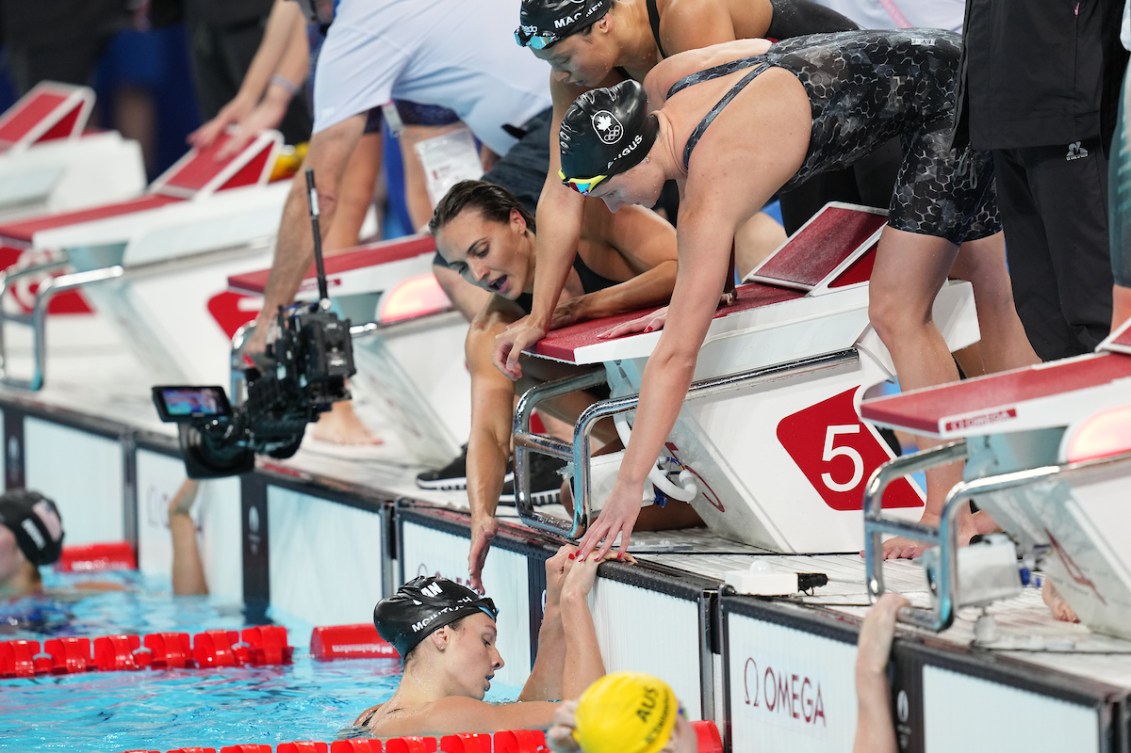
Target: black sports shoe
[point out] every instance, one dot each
(452, 476)
(545, 481)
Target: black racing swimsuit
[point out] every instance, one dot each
(591, 282)
(866, 87)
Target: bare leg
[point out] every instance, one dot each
(188, 570)
(1004, 344)
(341, 424)
(755, 240)
(358, 184)
(910, 270)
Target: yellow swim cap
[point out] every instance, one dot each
(626, 712)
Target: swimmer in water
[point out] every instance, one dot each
(446, 636)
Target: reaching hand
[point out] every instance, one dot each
(650, 322)
(560, 735)
(877, 633)
(557, 568)
(482, 533)
(580, 578)
(229, 115)
(510, 343)
(618, 517)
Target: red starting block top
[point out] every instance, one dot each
(562, 344)
(996, 398)
(24, 231)
(826, 241)
(1120, 341)
(362, 257)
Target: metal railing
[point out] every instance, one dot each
(946, 584)
(580, 452)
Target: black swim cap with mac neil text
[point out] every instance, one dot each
(422, 606)
(542, 23)
(606, 131)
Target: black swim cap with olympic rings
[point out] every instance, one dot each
(606, 131)
(422, 606)
(542, 23)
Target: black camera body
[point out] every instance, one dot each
(302, 374)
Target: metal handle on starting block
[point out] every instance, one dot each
(525, 442)
(37, 319)
(876, 524)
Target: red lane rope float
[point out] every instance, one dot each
(710, 741)
(520, 741)
(359, 641)
(258, 646)
(85, 558)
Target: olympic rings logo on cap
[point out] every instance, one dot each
(607, 127)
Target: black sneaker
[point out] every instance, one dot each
(545, 481)
(452, 476)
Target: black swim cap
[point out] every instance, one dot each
(606, 131)
(424, 605)
(39, 533)
(542, 23)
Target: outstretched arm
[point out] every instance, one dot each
(704, 252)
(283, 52)
(875, 730)
(488, 445)
(559, 228)
(188, 570)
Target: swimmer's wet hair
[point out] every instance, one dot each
(493, 202)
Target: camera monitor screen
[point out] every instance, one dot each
(183, 403)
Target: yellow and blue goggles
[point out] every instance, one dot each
(582, 185)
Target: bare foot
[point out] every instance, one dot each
(342, 426)
(1056, 603)
(899, 547)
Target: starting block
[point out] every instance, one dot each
(409, 347)
(156, 258)
(1048, 457)
(769, 447)
(50, 163)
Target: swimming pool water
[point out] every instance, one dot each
(106, 712)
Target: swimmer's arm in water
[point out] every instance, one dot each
(488, 445)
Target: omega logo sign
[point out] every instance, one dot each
(781, 692)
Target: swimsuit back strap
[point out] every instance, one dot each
(705, 123)
(654, 20)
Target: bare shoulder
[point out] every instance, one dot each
(661, 78)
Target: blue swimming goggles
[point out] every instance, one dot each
(538, 40)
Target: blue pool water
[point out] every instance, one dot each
(106, 712)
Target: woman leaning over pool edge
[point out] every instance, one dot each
(624, 262)
(737, 122)
(445, 634)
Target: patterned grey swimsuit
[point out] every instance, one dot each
(866, 87)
